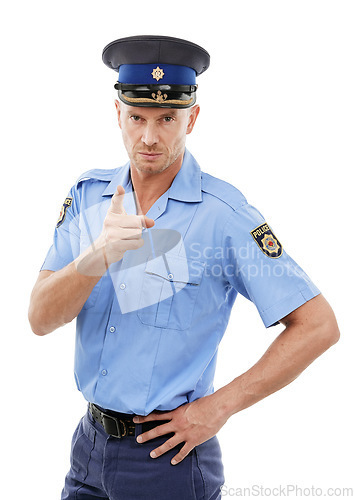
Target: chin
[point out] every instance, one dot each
(149, 168)
(152, 170)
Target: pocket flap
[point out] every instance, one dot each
(175, 268)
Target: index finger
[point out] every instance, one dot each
(154, 415)
(117, 201)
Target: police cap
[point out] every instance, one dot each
(158, 71)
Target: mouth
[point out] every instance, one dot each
(149, 156)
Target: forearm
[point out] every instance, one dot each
(285, 359)
(58, 299)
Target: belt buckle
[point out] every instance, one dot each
(107, 421)
(116, 432)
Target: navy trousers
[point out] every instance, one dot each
(104, 467)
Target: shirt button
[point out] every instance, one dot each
(104, 372)
(170, 276)
(112, 329)
(122, 286)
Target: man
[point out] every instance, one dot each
(154, 254)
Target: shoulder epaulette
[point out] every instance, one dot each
(100, 174)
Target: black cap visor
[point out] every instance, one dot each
(160, 96)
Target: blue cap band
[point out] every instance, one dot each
(159, 73)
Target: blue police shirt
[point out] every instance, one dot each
(147, 336)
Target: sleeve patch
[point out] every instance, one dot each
(67, 203)
(267, 241)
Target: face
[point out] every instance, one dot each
(155, 137)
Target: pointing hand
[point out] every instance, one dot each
(120, 232)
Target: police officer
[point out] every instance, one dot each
(154, 254)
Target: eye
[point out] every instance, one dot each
(135, 118)
(168, 119)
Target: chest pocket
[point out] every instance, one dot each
(169, 291)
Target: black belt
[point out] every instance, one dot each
(120, 424)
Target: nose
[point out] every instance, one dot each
(150, 135)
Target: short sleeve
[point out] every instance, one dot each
(66, 240)
(257, 266)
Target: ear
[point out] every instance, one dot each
(193, 114)
(118, 108)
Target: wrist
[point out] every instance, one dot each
(93, 261)
(229, 400)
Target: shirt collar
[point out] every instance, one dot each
(122, 178)
(186, 186)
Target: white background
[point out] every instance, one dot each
(276, 121)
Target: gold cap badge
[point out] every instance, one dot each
(158, 73)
